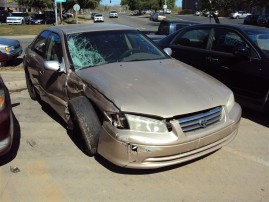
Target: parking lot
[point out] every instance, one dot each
(47, 164)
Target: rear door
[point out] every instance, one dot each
(190, 47)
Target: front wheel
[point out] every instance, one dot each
(86, 123)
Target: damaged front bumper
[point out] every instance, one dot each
(131, 149)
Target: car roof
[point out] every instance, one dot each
(235, 26)
(181, 21)
(70, 29)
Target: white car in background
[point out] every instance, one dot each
(239, 14)
(158, 17)
(113, 14)
(98, 18)
(168, 11)
(18, 18)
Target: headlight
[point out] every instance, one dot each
(2, 99)
(10, 48)
(145, 124)
(230, 102)
(138, 123)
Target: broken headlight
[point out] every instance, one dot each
(145, 124)
(138, 123)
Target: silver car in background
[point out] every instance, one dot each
(11, 48)
(129, 101)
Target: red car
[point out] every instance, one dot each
(3, 59)
(6, 119)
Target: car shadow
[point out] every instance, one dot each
(77, 140)
(8, 157)
(15, 62)
(256, 116)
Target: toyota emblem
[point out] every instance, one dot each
(203, 123)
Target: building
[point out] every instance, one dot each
(190, 4)
(12, 5)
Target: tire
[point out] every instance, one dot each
(2, 64)
(237, 17)
(86, 123)
(30, 87)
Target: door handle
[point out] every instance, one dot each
(212, 59)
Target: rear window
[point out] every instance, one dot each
(260, 38)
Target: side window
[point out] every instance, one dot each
(196, 38)
(227, 40)
(180, 26)
(40, 43)
(54, 51)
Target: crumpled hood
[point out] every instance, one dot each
(162, 88)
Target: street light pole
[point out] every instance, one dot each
(55, 11)
(210, 10)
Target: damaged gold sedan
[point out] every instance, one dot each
(129, 100)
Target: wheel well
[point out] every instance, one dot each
(97, 110)
(266, 103)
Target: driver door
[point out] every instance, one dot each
(52, 82)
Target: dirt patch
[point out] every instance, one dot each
(17, 68)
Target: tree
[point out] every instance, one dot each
(147, 4)
(233, 5)
(43, 4)
(39, 4)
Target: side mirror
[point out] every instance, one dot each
(54, 66)
(242, 52)
(168, 51)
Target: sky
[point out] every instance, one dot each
(117, 2)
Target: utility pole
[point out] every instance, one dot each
(55, 11)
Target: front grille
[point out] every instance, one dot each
(200, 120)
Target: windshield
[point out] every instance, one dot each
(96, 48)
(261, 38)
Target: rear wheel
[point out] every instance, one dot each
(2, 64)
(86, 123)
